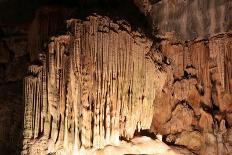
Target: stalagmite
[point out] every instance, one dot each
(93, 86)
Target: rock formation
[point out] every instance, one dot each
(92, 86)
(95, 85)
(188, 19)
(197, 97)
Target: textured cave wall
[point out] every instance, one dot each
(194, 110)
(95, 85)
(188, 19)
(13, 65)
(20, 43)
(48, 21)
(167, 17)
(25, 29)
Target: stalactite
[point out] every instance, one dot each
(33, 96)
(95, 86)
(48, 21)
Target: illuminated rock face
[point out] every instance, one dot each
(197, 99)
(93, 86)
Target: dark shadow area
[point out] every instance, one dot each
(146, 132)
(11, 116)
(14, 11)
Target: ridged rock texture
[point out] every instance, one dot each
(194, 109)
(48, 21)
(188, 19)
(96, 84)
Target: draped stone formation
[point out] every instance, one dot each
(94, 85)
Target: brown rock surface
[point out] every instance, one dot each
(94, 86)
(202, 86)
(192, 140)
(188, 19)
(206, 122)
(210, 144)
(197, 76)
(4, 53)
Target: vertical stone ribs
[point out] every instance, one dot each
(33, 102)
(95, 86)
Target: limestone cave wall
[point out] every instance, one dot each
(194, 109)
(187, 56)
(186, 19)
(95, 85)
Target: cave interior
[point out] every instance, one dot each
(116, 77)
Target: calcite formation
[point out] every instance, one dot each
(94, 86)
(197, 96)
(188, 19)
(192, 112)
